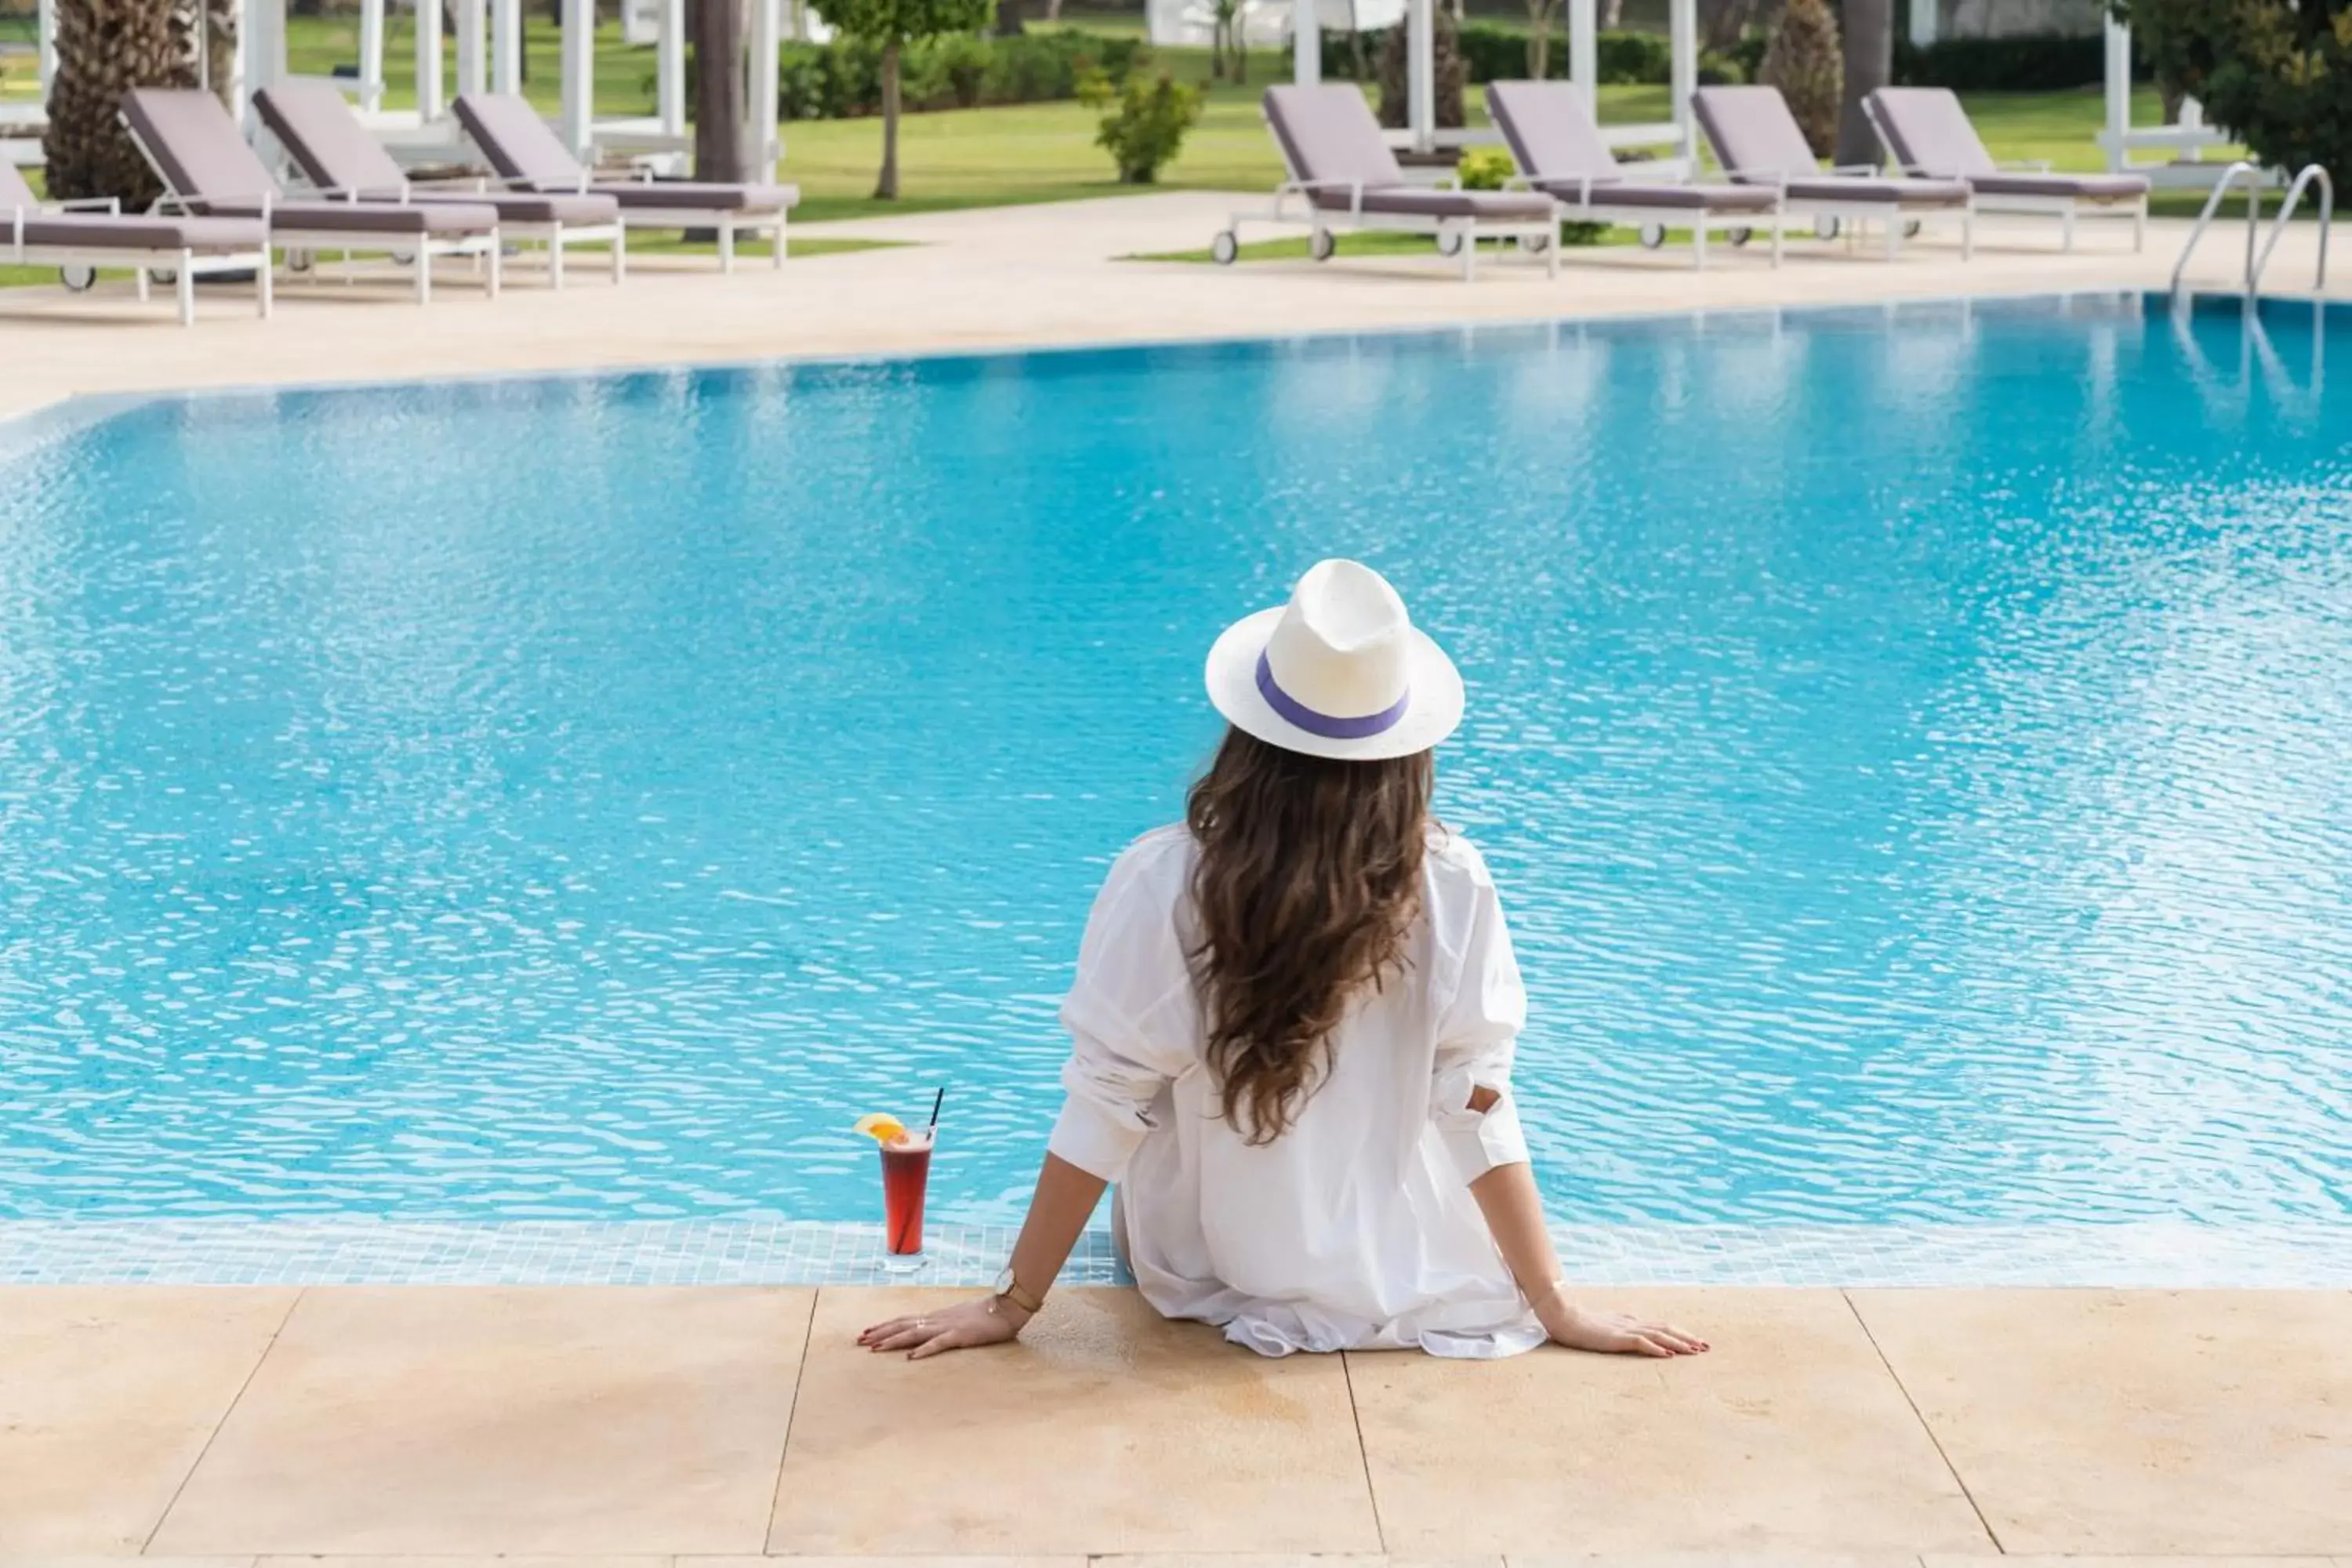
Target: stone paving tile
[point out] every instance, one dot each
(1074, 1560)
(118, 1562)
(2136, 1422)
(450, 1420)
(569, 1560)
(1104, 1430)
(106, 1397)
(1789, 1439)
(2030, 1561)
(1741, 1560)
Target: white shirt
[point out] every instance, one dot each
(1355, 1229)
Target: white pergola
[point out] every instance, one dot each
(1422, 133)
(488, 56)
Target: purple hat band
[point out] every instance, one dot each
(1326, 726)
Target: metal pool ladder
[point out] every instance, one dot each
(2256, 265)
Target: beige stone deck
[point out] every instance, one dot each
(638, 1427)
(1871, 1428)
(1008, 276)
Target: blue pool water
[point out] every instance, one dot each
(1913, 745)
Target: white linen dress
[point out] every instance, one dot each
(1355, 1229)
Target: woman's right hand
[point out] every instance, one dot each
(991, 1320)
(1615, 1334)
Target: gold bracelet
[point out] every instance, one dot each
(1558, 1288)
(1013, 1292)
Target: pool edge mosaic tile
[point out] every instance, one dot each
(782, 1252)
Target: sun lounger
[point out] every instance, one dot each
(1561, 154)
(528, 156)
(1757, 141)
(207, 169)
(1343, 177)
(1926, 132)
(334, 150)
(79, 238)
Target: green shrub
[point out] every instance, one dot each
(843, 79)
(1492, 52)
(2047, 63)
(1490, 169)
(1735, 65)
(2275, 74)
(1804, 62)
(1143, 132)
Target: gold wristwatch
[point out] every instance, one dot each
(1008, 1289)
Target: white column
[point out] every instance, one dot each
(1923, 23)
(1305, 42)
(48, 44)
(1421, 74)
(371, 54)
(2118, 74)
(472, 74)
(1683, 50)
(767, 21)
(431, 98)
(506, 45)
(579, 77)
(669, 69)
(1584, 53)
(238, 73)
(261, 50)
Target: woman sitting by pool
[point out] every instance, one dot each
(1293, 1020)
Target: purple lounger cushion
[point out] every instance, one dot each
(1757, 141)
(335, 151)
(1563, 154)
(522, 150)
(1329, 136)
(109, 231)
(1929, 131)
(196, 144)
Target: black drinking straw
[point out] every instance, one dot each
(942, 1100)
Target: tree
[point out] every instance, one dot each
(1869, 66)
(894, 24)
(1445, 55)
(1803, 62)
(1722, 23)
(2275, 74)
(1008, 18)
(722, 142)
(104, 48)
(1540, 15)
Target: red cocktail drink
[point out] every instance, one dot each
(906, 1172)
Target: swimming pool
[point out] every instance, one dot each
(1912, 742)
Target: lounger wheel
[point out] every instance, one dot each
(166, 275)
(1225, 249)
(403, 258)
(1654, 234)
(1322, 244)
(1911, 229)
(300, 261)
(1825, 227)
(1740, 235)
(1449, 243)
(1535, 244)
(78, 277)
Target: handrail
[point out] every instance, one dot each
(2205, 219)
(2286, 210)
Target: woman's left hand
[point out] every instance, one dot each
(991, 1320)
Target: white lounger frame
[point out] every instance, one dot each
(420, 247)
(1897, 216)
(1454, 235)
(2066, 210)
(728, 221)
(553, 237)
(1700, 221)
(185, 265)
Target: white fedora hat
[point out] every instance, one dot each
(1341, 671)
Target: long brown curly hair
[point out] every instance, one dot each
(1307, 884)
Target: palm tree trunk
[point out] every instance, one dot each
(887, 188)
(1869, 66)
(722, 153)
(105, 47)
